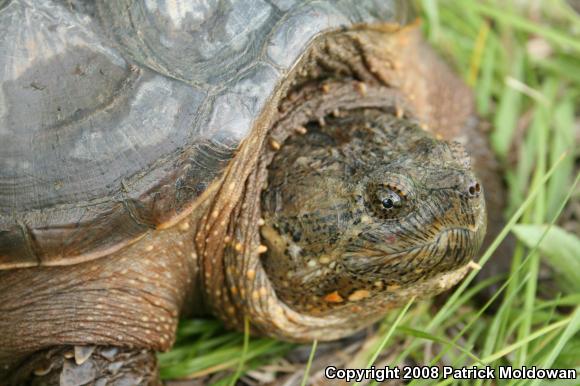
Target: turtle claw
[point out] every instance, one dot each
(82, 353)
(94, 365)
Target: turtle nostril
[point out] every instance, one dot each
(474, 189)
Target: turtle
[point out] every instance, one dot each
(302, 166)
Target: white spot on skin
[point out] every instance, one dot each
(294, 250)
(473, 265)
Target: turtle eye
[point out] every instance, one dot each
(389, 196)
(390, 200)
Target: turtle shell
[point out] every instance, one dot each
(116, 115)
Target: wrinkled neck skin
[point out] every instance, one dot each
(295, 279)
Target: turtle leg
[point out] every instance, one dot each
(130, 301)
(87, 365)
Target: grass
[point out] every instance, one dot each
(522, 59)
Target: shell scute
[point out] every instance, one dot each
(116, 116)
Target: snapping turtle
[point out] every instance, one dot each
(304, 165)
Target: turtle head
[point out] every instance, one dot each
(363, 222)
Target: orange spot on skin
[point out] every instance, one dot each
(333, 297)
(263, 291)
(399, 112)
(301, 130)
(358, 295)
(275, 145)
(361, 88)
(393, 287)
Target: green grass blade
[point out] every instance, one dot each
(535, 335)
(242, 361)
(388, 335)
(516, 21)
(309, 363)
(572, 328)
(562, 250)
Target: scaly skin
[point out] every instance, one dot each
(365, 205)
(211, 259)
